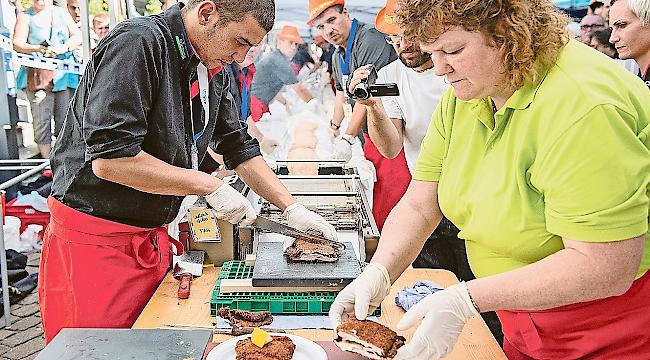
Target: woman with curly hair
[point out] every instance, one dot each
(539, 153)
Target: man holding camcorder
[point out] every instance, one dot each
(359, 44)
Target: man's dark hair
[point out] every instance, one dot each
(596, 5)
(602, 36)
(234, 11)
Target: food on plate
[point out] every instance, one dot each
(280, 348)
(260, 337)
(311, 250)
(368, 338)
(242, 318)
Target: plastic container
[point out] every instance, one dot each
(287, 303)
(27, 215)
(11, 229)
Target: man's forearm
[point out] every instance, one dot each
(383, 132)
(567, 277)
(151, 175)
(407, 228)
(263, 181)
(357, 120)
(338, 113)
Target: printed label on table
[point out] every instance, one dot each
(203, 225)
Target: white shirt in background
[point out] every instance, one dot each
(420, 93)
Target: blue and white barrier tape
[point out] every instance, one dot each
(39, 61)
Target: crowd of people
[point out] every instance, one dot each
(516, 155)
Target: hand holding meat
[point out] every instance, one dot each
(231, 206)
(443, 316)
(299, 217)
(363, 295)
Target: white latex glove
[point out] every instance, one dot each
(299, 217)
(334, 133)
(231, 206)
(362, 296)
(443, 315)
(269, 144)
(342, 149)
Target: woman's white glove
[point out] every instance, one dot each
(443, 315)
(231, 206)
(342, 149)
(362, 296)
(299, 217)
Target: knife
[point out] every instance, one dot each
(280, 228)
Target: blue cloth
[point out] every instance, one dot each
(39, 32)
(408, 297)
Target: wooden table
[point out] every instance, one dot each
(476, 341)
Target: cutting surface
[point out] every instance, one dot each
(113, 344)
(273, 268)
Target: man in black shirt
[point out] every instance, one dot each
(129, 152)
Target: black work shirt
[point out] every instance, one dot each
(134, 96)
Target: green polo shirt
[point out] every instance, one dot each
(567, 156)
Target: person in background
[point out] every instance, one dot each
(75, 11)
(630, 23)
(101, 25)
(326, 57)
(540, 155)
(588, 24)
(605, 13)
(359, 44)
(274, 72)
(303, 58)
(596, 8)
(47, 30)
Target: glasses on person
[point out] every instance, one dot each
(590, 26)
(394, 39)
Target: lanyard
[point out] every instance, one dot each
(345, 60)
(244, 95)
(202, 74)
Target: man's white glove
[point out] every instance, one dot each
(342, 149)
(269, 144)
(231, 206)
(362, 296)
(443, 315)
(299, 217)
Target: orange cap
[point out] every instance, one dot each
(291, 33)
(319, 39)
(316, 7)
(385, 21)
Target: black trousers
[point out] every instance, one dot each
(444, 250)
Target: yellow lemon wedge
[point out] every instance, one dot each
(260, 337)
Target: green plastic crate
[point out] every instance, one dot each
(288, 303)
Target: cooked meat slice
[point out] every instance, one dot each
(280, 348)
(368, 338)
(310, 250)
(242, 318)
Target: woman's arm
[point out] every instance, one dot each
(21, 31)
(581, 272)
(408, 227)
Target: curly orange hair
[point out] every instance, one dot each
(529, 33)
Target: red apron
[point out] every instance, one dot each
(616, 327)
(393, 178)
(97, 273)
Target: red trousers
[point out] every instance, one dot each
(617, 327)
(393, 178)
(97, 273)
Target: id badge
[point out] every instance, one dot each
(202, 222)
(344, 78)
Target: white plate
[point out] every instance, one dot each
(305, 349)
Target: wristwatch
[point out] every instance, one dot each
(334, 126)
(351, 139)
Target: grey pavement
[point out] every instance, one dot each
(24, 340)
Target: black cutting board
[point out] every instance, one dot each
(273, 268)
(123, 344)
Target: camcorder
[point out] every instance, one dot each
(368, 88)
